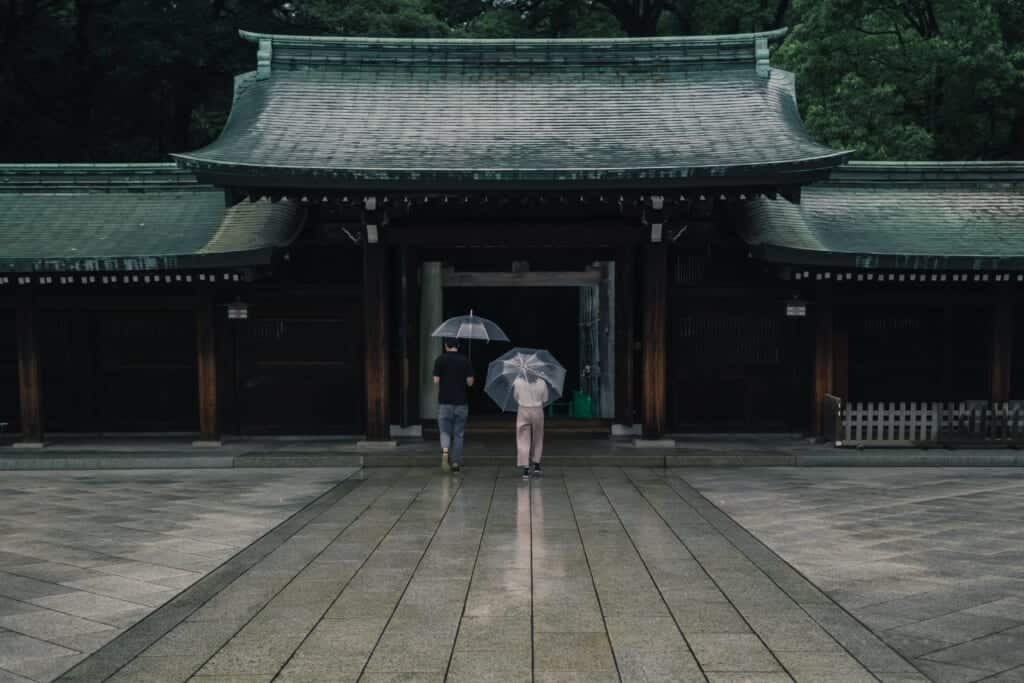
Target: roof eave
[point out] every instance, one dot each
(140, 264)
(777, 174)
(872, 262)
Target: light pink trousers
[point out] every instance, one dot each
(529, 435)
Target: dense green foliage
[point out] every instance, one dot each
(130, 80)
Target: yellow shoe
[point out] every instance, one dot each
(445, 466)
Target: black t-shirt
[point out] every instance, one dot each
(453, 368)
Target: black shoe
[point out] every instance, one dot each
(456, 468)
(526, 473)
(537, 471)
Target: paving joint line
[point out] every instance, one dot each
(967, 642)
(654, 582)
(770, 578)
(472, 574)
(532, 617)
(223, 573)
(590, 571)
(280, 590)
(792, 569)
(37, 608)
(433, 535)
(947, 614)
(412, 501)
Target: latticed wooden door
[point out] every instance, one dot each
(737, 364)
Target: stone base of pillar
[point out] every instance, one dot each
(410, 432)
(654, 443)
(626, 430)
(376, 445)
(29, 444)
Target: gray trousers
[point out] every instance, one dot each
(451, 421)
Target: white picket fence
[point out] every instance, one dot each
(903, 423)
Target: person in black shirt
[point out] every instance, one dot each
(452, 374)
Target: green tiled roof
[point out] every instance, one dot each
(457, 114)
(898, 215)
(130, 217)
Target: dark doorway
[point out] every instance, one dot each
(536, 317)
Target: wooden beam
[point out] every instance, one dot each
(206, 357)
(109, 302)
(655, 366)
(1002, 346)
(530, 279)
(375, 310)
(824, 356)
(513, 234)
(625, 291)
(409, 336)
(29, 373)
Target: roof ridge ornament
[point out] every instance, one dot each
(761, 55)
(264, 57)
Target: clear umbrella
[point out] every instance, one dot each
(530, 364)
(470, 327)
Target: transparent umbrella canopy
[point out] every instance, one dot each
(533, 365)
(470, 327)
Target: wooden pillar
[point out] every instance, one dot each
(841, 360)
(625, 293)
(824, 356)
(206, 356)
(375, 311)
(1002, 347)
(29, 373)
(408, 336)
(655, 366)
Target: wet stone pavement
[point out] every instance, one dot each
(931, 559)
(587, 574)
(85, 555)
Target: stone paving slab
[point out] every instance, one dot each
(587, 574)
(85, 555)
(929, 559)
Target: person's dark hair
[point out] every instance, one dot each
(451, 343)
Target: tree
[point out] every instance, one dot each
(907, 78)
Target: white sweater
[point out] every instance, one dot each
(530, 394)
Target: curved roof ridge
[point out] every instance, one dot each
(96, 177)
(721, 39)
(928, 172)
(331, 52)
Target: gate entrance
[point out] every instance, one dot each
(569, 313)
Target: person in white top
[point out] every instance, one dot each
(531, 395)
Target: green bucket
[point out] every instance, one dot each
(582, 405)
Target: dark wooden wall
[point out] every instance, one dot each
(917, 351)
(735, 361)
(118, 370)
(296, 365)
